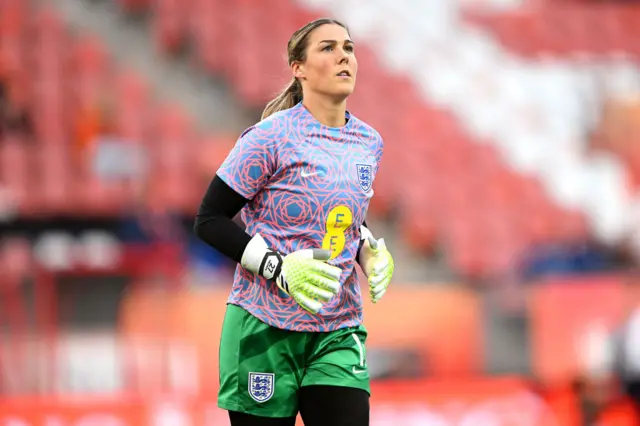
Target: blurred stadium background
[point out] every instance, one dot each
(510, 194)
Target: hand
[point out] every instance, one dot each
(309, 279)
(305, 275)
(377, 264)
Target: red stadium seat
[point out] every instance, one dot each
(49, 117)
(169, 24)
(569, 29)
(133, 102)
(418, 220)
(172, 156)
(15, 258)
(89, 55)
(89, 67)
(48, 27)
(213, 23)
(62, 71)
(211, 151)
(134, 6)
(502, 244)
(13, 23)
(464, 250)
(440, 170)
(15, 155)
(174, 191)
(172, 127)
(55, 176)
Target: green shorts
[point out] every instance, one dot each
(262, 367)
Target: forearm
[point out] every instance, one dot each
(215, 226)
(214, 222)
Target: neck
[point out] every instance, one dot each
(326, 111)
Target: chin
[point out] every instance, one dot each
(343, 92)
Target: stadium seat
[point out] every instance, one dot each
(14, 169)
(47, 27)
(211, 152)
(133, 101)
(15, 258)
(68, 75)
(169, 21)
(12, 29)
(134, 6)
(444, 144)
(568, 30)
(54, 179)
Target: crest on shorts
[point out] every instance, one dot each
(261, 386)
(365, 178)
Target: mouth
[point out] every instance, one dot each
(344, 74)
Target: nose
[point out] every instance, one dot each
(344, 57)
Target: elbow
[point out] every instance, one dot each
(198, 228)
(206, 227)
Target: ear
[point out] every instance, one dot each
(297, 69)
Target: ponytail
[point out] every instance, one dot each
(288, 98)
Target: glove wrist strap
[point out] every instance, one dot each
(271, 265)
(260, 259)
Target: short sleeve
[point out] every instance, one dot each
(250, 163)
(378, 150)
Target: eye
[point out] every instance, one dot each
(348, 48)
(328, 48)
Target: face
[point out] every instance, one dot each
(330, 67)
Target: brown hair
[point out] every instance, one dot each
(296, 52)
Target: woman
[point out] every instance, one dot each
(292, 339)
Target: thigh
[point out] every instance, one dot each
(260, 366)
(334, 405)
(339, 358)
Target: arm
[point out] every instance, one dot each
(304, 274)
(241, 176)
(374, 258)
(214, 225)
(214, 222)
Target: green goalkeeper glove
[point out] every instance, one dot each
(377, 264)
(303, 274)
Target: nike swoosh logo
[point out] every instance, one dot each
(356, 371)
(307, 174)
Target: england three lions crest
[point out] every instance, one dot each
(261, 386)
(365, 176)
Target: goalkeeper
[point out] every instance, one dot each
(293, 340)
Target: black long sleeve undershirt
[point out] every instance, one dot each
(214, 222)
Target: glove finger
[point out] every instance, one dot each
(307, 303)
(329, 271)
(378, 287)
(380, 265)
(373, 243)
(321, 254)
(376, 280)
(316, 254)
(328, 284)
(376, 297)
(319, 293)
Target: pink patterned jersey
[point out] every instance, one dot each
(309, 186)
